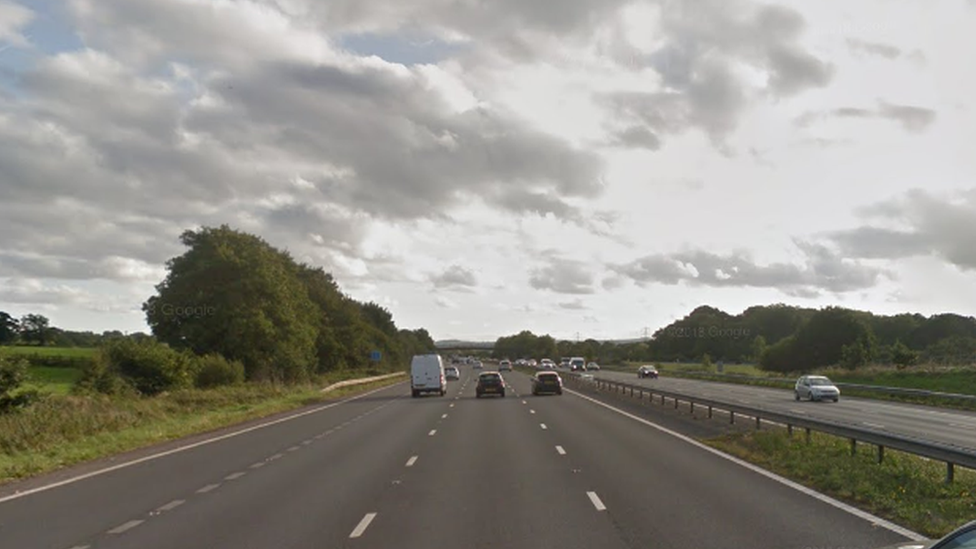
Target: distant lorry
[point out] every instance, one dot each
(427, 375)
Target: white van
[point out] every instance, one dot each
(427, 375)
(577, 364)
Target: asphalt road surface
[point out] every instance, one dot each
(388, 471)
(923, 422)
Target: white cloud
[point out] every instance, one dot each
(629, 158)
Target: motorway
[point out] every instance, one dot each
(929, 423)
(384, 470)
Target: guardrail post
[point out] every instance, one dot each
(808, 435)
(631, 392)
(662, 400)
(853, 446)
(950, 472)
(789, 430)
(709, 412)
(880, 453)
(731, 417)
(692, 405)
(758, 423)
(675, 403)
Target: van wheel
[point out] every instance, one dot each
(443, 392)
(415, 393)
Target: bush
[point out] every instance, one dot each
(13, 374)
(213, 370)
(148, 366)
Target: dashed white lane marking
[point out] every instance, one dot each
(595, 499)
(543, 425)
(208, 488)
(330, 431)
(795, 411)
(451, 406)
(294, 448)
(443, 416)
(875, 425)
(363, 525)
(125, 527)
(306, 442)
(320, 435)
(411, 461)
(531, 411)
(560, 450)
(171, 505)
(234, 476)
(81, 547)
(523, 402)
(432, 432)
(276, 456)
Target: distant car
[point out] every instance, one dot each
(592, 366)
(577, 363)
(505, 365)
(816, 388)
(547, 382)
(490, 383)
(564, 363)
(532, 363)
(963, 537)
(547, 364)
(477, 365)
(451, 372)
(648, 371)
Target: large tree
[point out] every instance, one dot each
(35, 328)
(233, 294)
(9, 328)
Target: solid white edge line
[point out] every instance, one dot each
(914, 536)
(234, 476)
(560, 450)
(363, 525)
(411, 461)
(188, 446)
(125, 527)
(595, 500)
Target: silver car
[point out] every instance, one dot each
(963, 537)
(816, 388)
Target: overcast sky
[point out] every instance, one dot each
(588, 167)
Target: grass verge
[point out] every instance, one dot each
(30, 351)
(63, 430)
(906, 489)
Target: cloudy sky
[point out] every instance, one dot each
(479, 167)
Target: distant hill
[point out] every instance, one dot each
(461, 344)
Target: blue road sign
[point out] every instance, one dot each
(375, 356)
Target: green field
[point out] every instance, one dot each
(28, 351)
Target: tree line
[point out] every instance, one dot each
(36, 330)
(232, 308)
(779, 338)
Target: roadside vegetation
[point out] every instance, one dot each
(239, 330)
(908, 490)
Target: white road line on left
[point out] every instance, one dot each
(165, 453)
(125, 527)
(432, 432)
(595, 499)
(208, 488)
(81, 547)
(543, 425)
(363, 525)
(875, 425)
(531, 411)
(443, 416)
(234, 476)
(411, 461)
